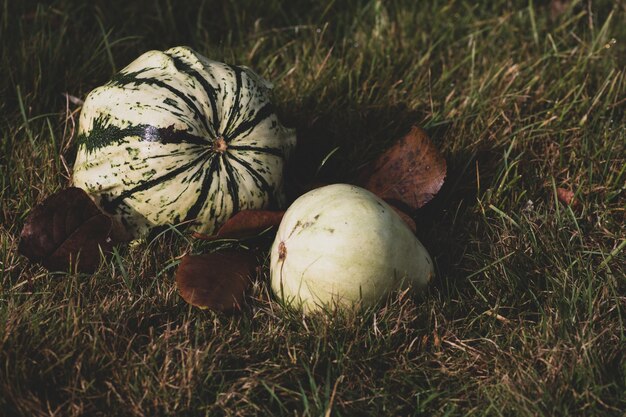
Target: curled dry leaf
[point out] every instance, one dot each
(410, 173)
(217, 281)
(246, 223)
(66, 229)
(566, 197)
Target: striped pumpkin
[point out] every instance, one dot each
(177, 138)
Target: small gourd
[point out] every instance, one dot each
(177, 138)
(340, 245)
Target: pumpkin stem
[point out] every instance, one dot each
(220, 145)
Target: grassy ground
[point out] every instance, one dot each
(526, 315)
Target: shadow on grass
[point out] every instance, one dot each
(334, 145)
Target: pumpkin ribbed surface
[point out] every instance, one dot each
(177, 138)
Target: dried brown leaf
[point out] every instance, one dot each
(410, 173)
(245, 223)
(566, 196)
(66, 229)
(217, 281)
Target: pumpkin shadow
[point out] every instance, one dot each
(445, 224)
(333, 147)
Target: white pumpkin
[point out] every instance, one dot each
(178, 138)
(341, 245)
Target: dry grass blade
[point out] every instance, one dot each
(526, 315)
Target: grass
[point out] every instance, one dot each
(526, 315)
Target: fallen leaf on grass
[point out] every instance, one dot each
(66, 229)
(566, 197)
(245, 223)
(217, 281)
(557, 8)
(411, 172)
